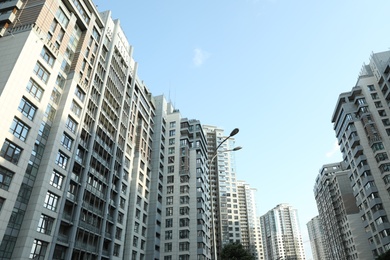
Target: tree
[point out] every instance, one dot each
(384, 256)
(235, 251)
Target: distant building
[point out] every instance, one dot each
(249, 222)
(362, 125)
(342, 227)
(281, 234)
(317, 239)
(225, 216)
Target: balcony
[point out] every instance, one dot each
(11, 4)
(7, 17)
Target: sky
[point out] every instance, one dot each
(272, 68)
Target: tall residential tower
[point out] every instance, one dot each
(342, 227)
(281, 234)
(362, 124)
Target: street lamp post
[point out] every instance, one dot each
(234, 132)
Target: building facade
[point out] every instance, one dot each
(281, 234)
(340, 221)
(76, 135)
(225, 216)
(362, 126)
(317, 238)
(249, 222)
(185, 221)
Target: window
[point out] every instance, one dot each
(168, 234)
(76, 109)
(184, 234)
(56, 180)
(5, 178)
(27, 108)
(55, 96)
(45, 54)
(172, 124)
(41, 72)
(71, 124)
(62, 18)
(51, 201)
(10, 152)
(371, 87)
(45, 224)
(171, 141)
(35, 90)
(168, 222)
(38, 250)
(2, 200)
(66, 141)
(62, 160)
(170, 179)
(184, 246)
(381, 157)
(172, 132)
(169, 189)
(19, 129)
(184, 222)
(168, 247)
(80, 94)
(184, 199)
(50, 113)
(170, 200)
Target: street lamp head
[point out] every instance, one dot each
(234, 132)
(237, 148)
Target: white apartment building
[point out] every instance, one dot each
(281, 234)
(362, 125)
(250, 224)
(317, 238)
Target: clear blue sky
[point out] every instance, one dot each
(273, 68)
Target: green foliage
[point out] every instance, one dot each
(235, 251)
(385, 256)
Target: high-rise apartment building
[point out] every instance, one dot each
(281, 234)
(362, 125)
(342, 226)
(76, 136)
(225, 227)
(185, 221)
(249, 222)
(317, 238)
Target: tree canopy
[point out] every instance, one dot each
(384, 256)
(235, 251)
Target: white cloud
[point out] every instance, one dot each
(334, 150)
(200, 56)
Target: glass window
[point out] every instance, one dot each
(45, 224)
(27, 108)
(51, 201)
(10, 152)
(46, 55)
(71, 124)
(66, 141)
(50, 113)
(62, 160)
(55, 96)
(34, 89)
(56, 180)
(5, 178)
(41, 72)
(76, 109)
(2, 200)
(19, 129)
(38, 250)
(62, 18)
(80, 94)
